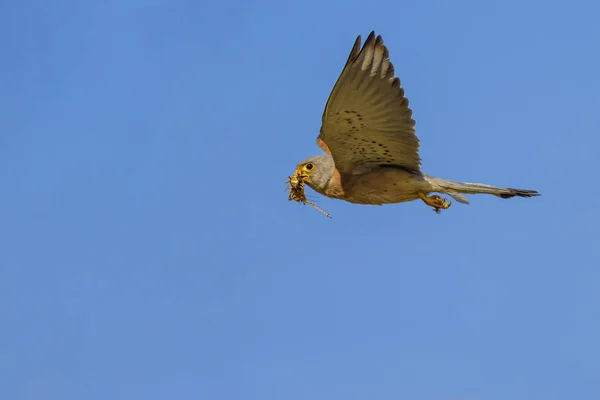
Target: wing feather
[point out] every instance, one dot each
(367, 120)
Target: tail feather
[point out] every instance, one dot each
(454, 188)
(458, 197)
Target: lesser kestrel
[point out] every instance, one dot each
(371, 149)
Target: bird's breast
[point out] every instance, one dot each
(382, 185)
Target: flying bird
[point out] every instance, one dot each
(371, 149)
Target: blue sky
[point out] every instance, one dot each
(148, 249)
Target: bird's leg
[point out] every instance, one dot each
(435, 201)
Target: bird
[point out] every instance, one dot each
(371, 147)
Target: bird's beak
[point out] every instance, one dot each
(300, 176)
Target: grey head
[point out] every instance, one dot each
(318, 171)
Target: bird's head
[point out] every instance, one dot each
(316, 171)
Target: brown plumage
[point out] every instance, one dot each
(371, 149)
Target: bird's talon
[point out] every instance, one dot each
(438, 203)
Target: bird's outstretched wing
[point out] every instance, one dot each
(367, 120)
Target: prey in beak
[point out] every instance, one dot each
(296, 188)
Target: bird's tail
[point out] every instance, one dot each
(454, 189)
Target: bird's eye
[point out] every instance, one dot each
(309, 166)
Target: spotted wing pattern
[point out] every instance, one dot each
(367, 120)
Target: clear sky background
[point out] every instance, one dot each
(148, 249)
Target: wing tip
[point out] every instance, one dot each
(355, 52)
(357, 49)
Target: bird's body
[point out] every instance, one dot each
(371, 149)
(378, 185)
(384, 185)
